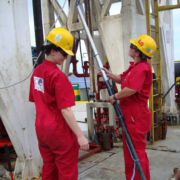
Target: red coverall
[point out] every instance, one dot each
(51, 91)
(137, 116)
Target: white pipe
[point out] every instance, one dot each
(92, 42)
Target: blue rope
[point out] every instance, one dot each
(119, 109)
(95, 55)
(135, 160)
(120, 116)
(133, 171)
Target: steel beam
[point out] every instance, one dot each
(62, 17)
(72, 23)
(164, 8)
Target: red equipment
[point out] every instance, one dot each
(93, 148)
(4, 139)
(104, 132)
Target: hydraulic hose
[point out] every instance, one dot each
(115, 105)
(170, 89)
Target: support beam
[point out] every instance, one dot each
(164, 8)
(130, 28)
(106, 8)
(72, 23)
(112, 42)
(62, 18)
(102, 2)
(48, 15)
(90, 106)
(38, 28)
(88, 7)
(140, 7)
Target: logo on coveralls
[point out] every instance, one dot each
(38, 84)
(145, 47)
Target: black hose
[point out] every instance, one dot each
(170, 89)
(81, 121)
(127, 136)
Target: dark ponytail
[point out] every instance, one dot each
(142, 55)
(48, 47)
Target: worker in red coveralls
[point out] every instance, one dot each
(58, 133)
(136, 84)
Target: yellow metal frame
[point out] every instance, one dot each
(151, 107)
(159, 68)
(164, 8)
(157, 8)
(158, 63)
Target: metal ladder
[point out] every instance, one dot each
(155, 13)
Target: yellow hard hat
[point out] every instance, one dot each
(61, 38)
(145, 44)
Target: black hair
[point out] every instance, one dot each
(47, 48)
(142, 55)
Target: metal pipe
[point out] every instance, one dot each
(164, 8)
(92, 43)
(38, 28)
(74, 62)
(90, 55)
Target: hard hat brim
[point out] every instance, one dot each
(68, 52)
(132, 41)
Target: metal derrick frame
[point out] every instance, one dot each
(158, 79)
(72, 23)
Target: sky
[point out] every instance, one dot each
(115, 9)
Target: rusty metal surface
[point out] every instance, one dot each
(93, 148)
(164, 156)
(92, 161)
(104, 165)
(110, 165)
(171, 143)
(162, 164)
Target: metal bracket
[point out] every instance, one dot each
(89, 106)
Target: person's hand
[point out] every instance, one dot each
(83, 143)
(108, 73)
(111, 99)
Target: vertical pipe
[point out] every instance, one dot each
(151, 103)
(158, 56)
(38, 27)
(99, 62)
(90, 57)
